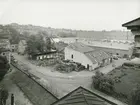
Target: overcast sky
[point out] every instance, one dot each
(72, 14)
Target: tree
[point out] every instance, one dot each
(3, 96)
(103, 83)
(135, 96)
(4, 66)
(32, 45)
(14, 34)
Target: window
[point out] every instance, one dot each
(72, 56)
(87, 66)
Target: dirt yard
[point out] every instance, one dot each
(62, 83)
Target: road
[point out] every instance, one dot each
(62, 83)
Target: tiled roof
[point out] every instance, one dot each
(78, 46)
(94, 55)
(97, 55)
(82, 96)
(135, 22)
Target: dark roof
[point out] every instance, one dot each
(82, 96)
(43, 53)
(78, 46)
(3, 50)
(135, 22)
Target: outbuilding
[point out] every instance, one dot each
(87, 56)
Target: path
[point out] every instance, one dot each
(65, 83)
(20, 98)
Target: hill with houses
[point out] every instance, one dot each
(27, 30)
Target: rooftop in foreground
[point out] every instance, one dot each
(82, 96)
(135, 22)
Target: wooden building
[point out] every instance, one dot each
(42, 56)
(134, 26)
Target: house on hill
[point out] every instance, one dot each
(22, 47)
(82, 96)
(134, 26)
(88, 57)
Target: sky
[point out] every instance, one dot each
(71, 14)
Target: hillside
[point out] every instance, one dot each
(27, 30)
(47, 31)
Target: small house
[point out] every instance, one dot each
(22, 47)
(134, 26)
(87, 56)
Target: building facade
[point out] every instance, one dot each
(134, 26)
(88, 57)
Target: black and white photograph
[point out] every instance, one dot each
(69, 52)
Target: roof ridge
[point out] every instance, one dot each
(130, 21)
(85, 97)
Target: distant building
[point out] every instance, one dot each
(22, 47)
(46, 55)
(5, 53)
(88, 57)
(5, 48)
(82, 96)
(112, 51)
(134, 26)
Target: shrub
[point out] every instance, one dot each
(4, 66)
(3, 96)
(135, 96)
(103, 83)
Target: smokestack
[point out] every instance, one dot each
(12, 99)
